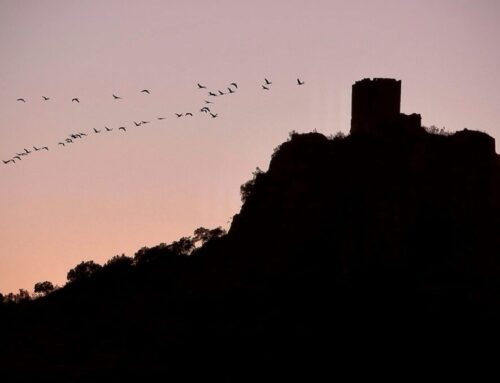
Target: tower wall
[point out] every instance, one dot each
(374, 103)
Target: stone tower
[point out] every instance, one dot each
(375, 104)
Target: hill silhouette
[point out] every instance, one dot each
(345, 246)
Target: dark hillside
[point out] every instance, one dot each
(342, 245)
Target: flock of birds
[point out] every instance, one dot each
(206, 109)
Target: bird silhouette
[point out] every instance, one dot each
(230, 90)
(145, 122)
(108, 129)
(19, 158)
(189, 114)
(6, 162)
(75, 100)
(221, 93)
(161, 118)
(145, 91)
(46, 98)
(45, 148)
(300, 82)
(265, 87)
(178, 114)
(201, 86)
(212, 94)
(234, 84)
(69, 140)
(267, 81)
(137, 123)
(208, 102)
(27, 151)
(214, 115)
(205, 110)
(116, 97)
(82, 134)
(36, 149)
(61, 143)
(21, 99)
(96, 131)
(122, 128)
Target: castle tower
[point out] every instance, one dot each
(375, 103)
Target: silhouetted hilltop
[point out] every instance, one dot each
(343, 242)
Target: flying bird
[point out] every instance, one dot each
(19, 158)
(36, 149)
(108, 129)
(265, 87)
(230, 90)
(46, 98)
(122, 128)
(234, 84)
(178, 114)
(61, 143)
(189, 114)
(214, 115)
(212, 94)
(116, 97)
(46, 148)
(144, 122)
(96, 131)
(221, 93)
(69, 140)
(208, 102)
(82, 134)
(75, 100)
(145, 91)
(300, 82)
(137, 123)
(11, 160)
(201, 86)
(21, 99)
(27, 151)
(161, 118)
(267, 81)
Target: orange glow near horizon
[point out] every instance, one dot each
(114, 192)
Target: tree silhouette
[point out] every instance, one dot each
(22, 296)
(247, 188)
(119, 261)
(183, 246)
(43, 287)
(204, 235)
(83, 271)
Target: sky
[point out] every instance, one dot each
(114, 192)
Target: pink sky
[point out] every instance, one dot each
(114, 193)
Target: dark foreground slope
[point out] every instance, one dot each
(347, 253)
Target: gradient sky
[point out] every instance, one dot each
(114, 193)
